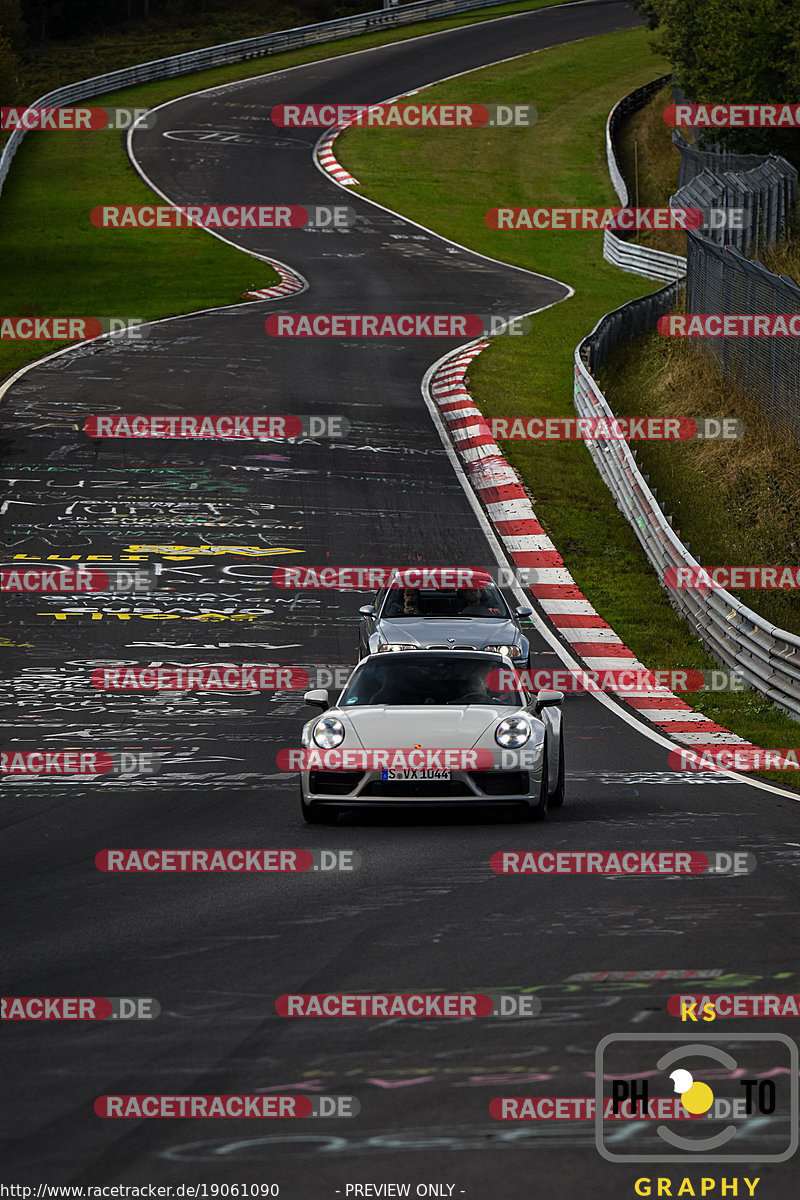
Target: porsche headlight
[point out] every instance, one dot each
(328, 733)
(511, 651)
(512, 732)
(395, 646)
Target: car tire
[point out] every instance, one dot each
(314, 816)
(557, 798)
(539, 811)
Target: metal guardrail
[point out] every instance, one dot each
(641, 260)
(628, 256)
(768, 658)
(622, 109)
(241, 51)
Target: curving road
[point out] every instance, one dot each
(424, 911)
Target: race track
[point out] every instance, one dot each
(424, 911)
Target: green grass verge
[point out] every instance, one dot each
(645, 151)
(53, 262)
(446, 180)
(736, 502)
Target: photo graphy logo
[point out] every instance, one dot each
(719, 1081)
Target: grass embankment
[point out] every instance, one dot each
(736, 503)
(645, 152)
(53, 262)
(446, 180)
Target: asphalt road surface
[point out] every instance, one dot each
(423, 911)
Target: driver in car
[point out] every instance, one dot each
(476, 603)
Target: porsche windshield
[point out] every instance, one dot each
(394, 679)
(484, 601)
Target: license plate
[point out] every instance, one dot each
(411, 774)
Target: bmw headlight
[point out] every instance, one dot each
(395, 646)
(328, 733)
(512, 732)
(511, 651)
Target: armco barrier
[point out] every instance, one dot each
(641, 260)
(242, 51)
(628, 256)
(767, 657)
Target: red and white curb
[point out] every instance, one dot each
(591, 639)
(326, 159)
(290, 284)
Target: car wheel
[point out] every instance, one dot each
(557, 798)
(314, 816)
(539, 812)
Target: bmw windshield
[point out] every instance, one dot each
(486, 601)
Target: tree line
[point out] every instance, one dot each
(734, 52)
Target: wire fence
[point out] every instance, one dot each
(721, 280)
(694, 160)
(750, 209)
(747, 210)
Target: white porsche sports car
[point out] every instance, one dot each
(427, 701)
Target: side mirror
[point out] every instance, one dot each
(522, 611)
(318, 698)
(547, 699)
(367, 610)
